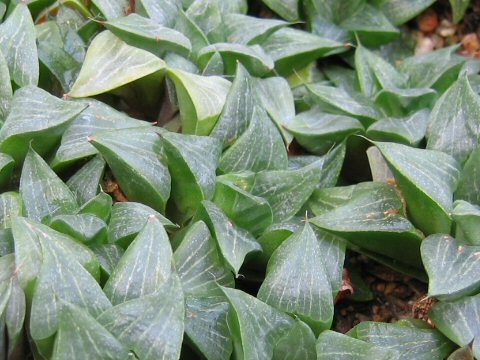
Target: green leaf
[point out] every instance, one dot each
(458, 320)
(11, 206)
(298, 184)
(85, 183)
(111, 9)
(274, 236)
(6, 169)
(400, 11)
(198, 264)
(111, 63)
(6, 92)
(458, 8)
(467, 221)
(408, 130)
(201, 100)
(297, 344)
(374, 73)
(437, 69)
(187, 26)
(208, 16)
(453, 268)
(128, 218)
(287, 9)
(370, 25)
(17, 43)
(145, 266)
(238, 110)
(427, 179)
(293, 49)
(255, 326)
(334, 346)
(260, 147)
(281, 107)
(318, 131)
(31, 236)
(401, 102)
(454, 125)
(297, 283)
(146, 34)
(192, 161)
(108, 256)
(234, 243)
(86, 228)
(249, 30)
(339, 101)
(95, 118)
(409, 341)
(43, 193)
(80, 336)
(206, 326)
(136, 158)
(469, 179)
(100, 206)
(371, 216)
(252, 57)
(152, 326)
(35, 115)
(162, 12)
(250, 212)
(62, 277)
(15, 314)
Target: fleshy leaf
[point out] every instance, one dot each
(293, 49)
(339, 101)
(427, 179)
(458, 320)
(318, 131)
(400, 11)
(145, 266)
(453, 268)
(201, 100)
(297, 282)
(18, 45)
(409, 130)
(287, 9)
(62, 278)
(206, 326)
(6, 169)
(298, 184)
(86, 228)
(6, 92)
(409, 341)
(128, 218)
(192, 161)
(454, 125)
(146, 34)
(108, 256)
(152, 326)
(80, 336)
(371, 216)
(248, 30)
(467, 220)
(35, 115)
(238, 110)
(31, 236)
(136, 159)
(469, 180)
(111, 63)
(250, 212)
(85, 183)
(11, 206)
(255, 326)
(111, 9)
(252, 57)
(234, 243)
(198, 264)
(334, 346)
(163, 12)
(260, 147)
(43, 193)
(297, 344)
(458, 8)
(95, 118)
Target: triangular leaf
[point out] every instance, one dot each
(248, 30)
(85, 183)
(467, 222)
(111, 63)
(145, 266)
